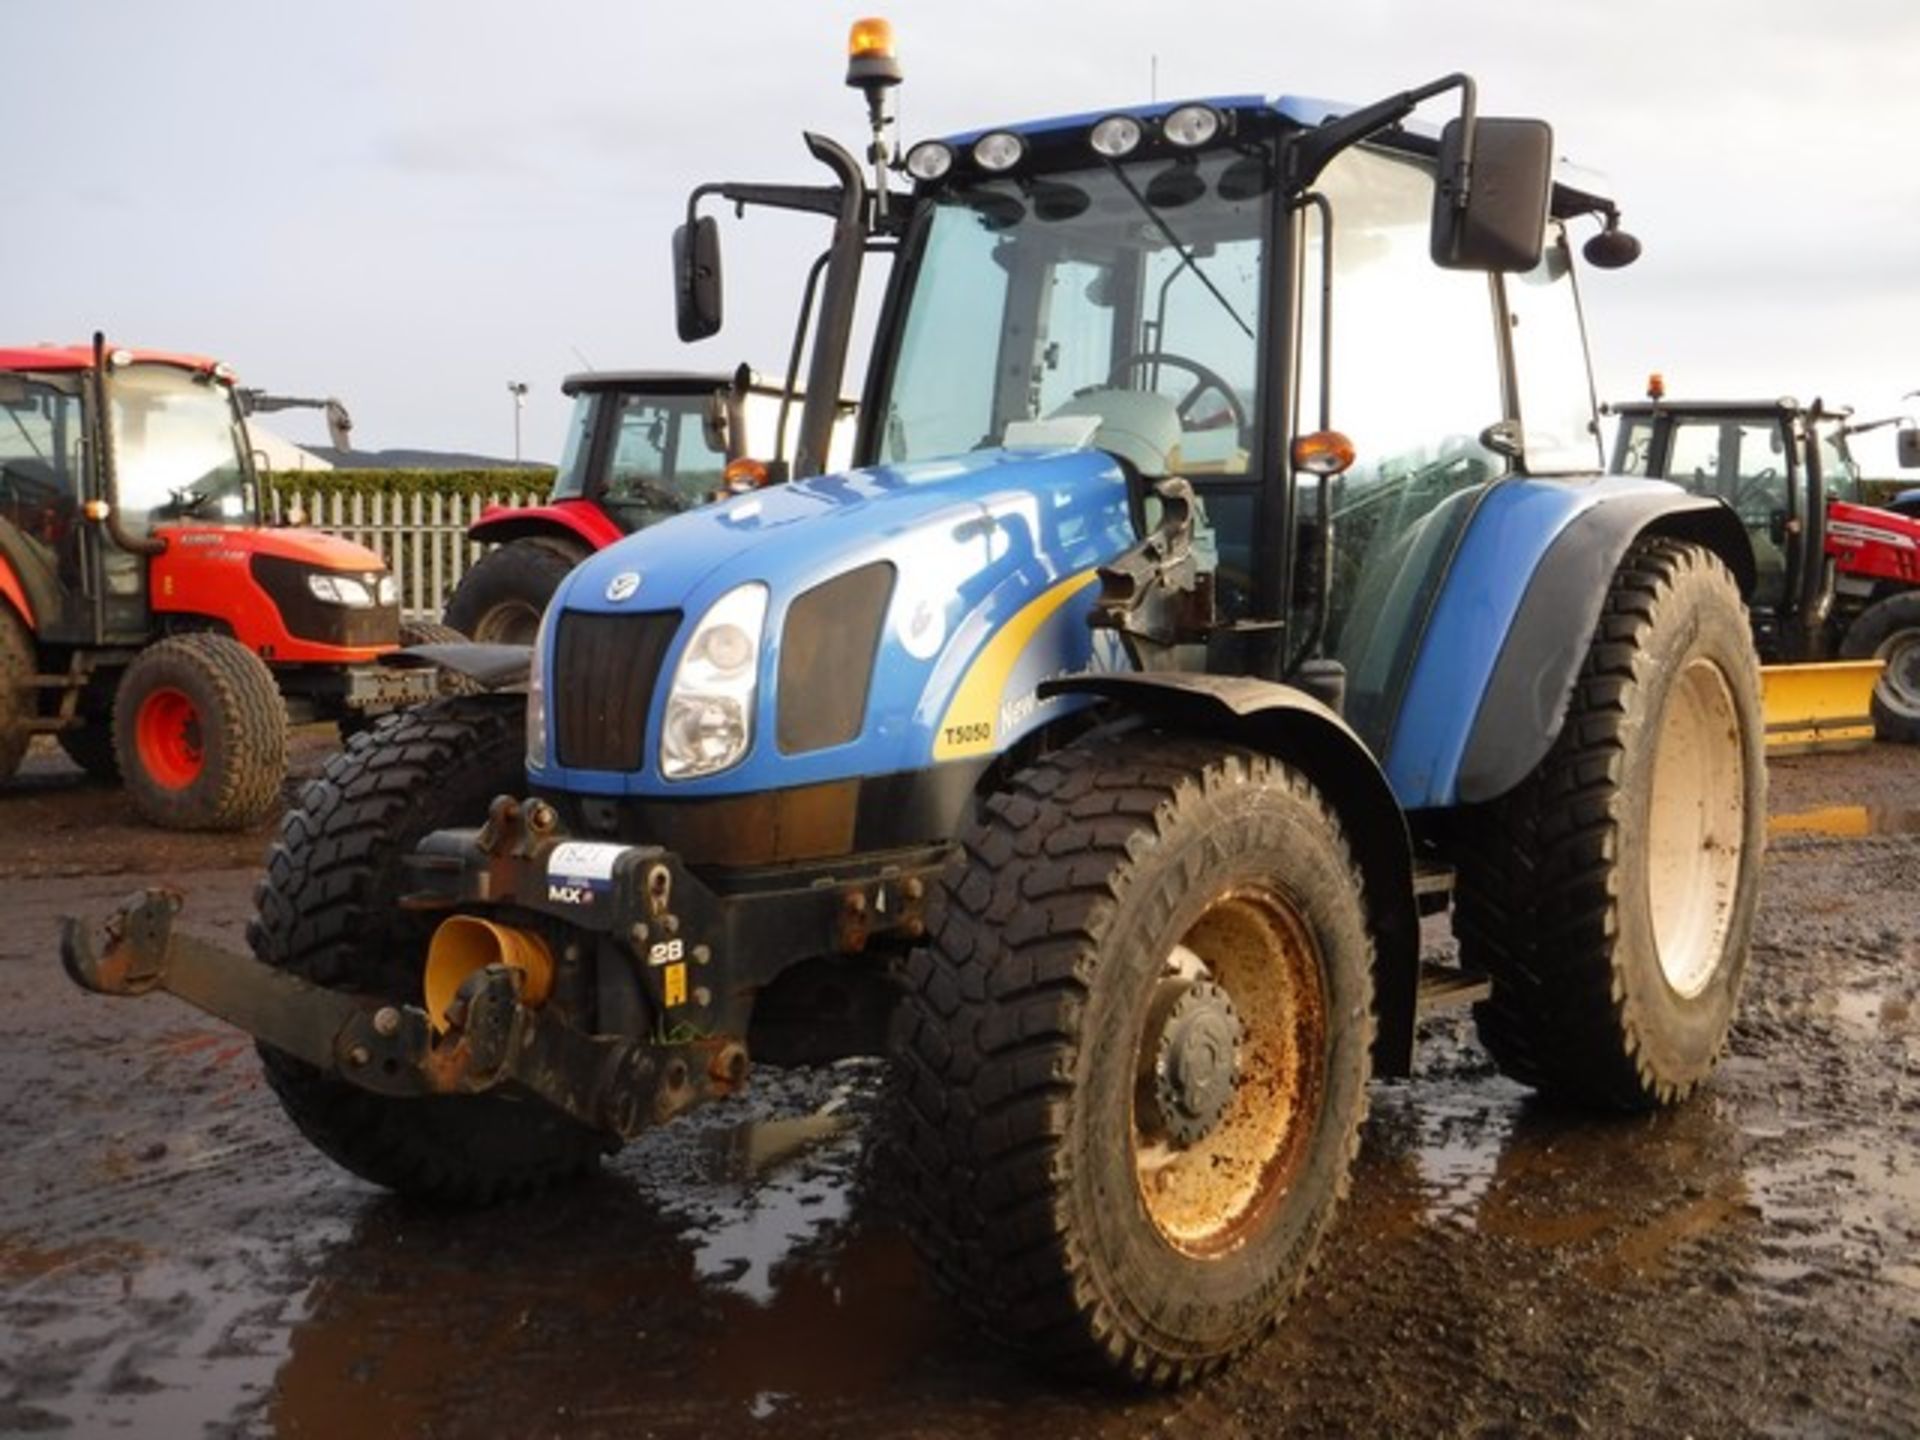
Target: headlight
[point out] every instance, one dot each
(1115, 136)
(1191, 125)
(389, 590)
(998, 150)
(929, 160)
(537, 694)
(341, 590)
(708, 722)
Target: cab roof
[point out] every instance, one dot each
(80, 357)
(1571, 194)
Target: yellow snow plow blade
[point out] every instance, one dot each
(1819, 707)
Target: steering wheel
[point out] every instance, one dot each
(1759, 487)
(1205, 378)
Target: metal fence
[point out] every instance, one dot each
(423, 538)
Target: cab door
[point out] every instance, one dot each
(44, 542)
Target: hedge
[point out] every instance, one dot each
(526, 480)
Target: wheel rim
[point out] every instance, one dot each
(1900, 681)
(167, 732)
(1696, 826)
(513, 622)
(1253, 957)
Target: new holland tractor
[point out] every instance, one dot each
(642, 445)
(1837, 580)
(148, 620)
(1094, 746)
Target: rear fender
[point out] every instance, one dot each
(577, 524)
(1524, 698)
(1292, 726)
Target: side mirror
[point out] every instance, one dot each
(1907, 447)
(696, 278)
(1503, 225)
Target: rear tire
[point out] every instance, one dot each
(18, 699)
(200, 733)
(500, 600)
(1890, 631)
(1079, 1164)
(328, 910)
(428, 632)
(1611, 895)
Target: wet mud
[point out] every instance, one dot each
(175, 1261)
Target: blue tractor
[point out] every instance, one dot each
(1094, 747)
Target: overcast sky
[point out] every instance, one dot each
(410, 205)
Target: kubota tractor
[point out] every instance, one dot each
(148, 621)
(1837, 579)
(642, 445)
(1095, 745)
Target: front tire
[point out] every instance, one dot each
(1890, 631)
(1611, 896)
(200, 733)
(500, 600)
(328, 910)
(1132, 1063)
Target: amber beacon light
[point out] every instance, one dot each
(871, 61)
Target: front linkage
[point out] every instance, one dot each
(677, 966)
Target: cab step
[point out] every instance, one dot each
(1444, 987)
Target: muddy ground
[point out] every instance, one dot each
(174, 1261)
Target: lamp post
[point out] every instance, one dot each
(518, 389)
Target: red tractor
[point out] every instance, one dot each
(642, 445)
(148, 620)
(1836, 579)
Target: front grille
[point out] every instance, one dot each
(309, 618)
(826, 658)
(604, 670)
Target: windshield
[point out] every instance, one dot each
(179, 449)
(1083, 293)
(660, 457)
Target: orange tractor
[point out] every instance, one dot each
(149, 621)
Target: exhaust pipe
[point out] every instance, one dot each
(464, 945)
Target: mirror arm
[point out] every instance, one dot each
(1316, 147)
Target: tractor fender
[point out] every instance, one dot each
(14, 594)
(579, 525)
(1526, 696)
(1292, 726)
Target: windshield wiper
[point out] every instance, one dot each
(1187, 262)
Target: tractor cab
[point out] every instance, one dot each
(177, 456)
(1787, 471)
(643, 445)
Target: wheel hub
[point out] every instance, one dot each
(1196, 1060)
(1902, 675)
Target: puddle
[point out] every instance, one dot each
(1846, 822)
(1841, 1208)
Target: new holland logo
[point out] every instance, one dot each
(622, 586)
